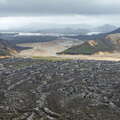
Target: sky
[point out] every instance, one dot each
(21, 13)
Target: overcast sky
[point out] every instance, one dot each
(92, 12)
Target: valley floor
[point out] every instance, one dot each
(49, 49)
(46, 49)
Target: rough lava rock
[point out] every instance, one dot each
(64, 90)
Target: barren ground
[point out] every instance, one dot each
(49, 49)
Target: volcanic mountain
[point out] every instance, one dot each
(109, 43)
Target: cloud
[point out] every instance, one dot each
(3, 2)
(15, 13)
(40, 7)
(41, 22)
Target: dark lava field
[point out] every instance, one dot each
(33, 89)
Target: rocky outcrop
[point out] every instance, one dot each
(6, 50)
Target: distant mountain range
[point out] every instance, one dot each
(105, 28)
(80, 31)
(98, 33)
(64, 29)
